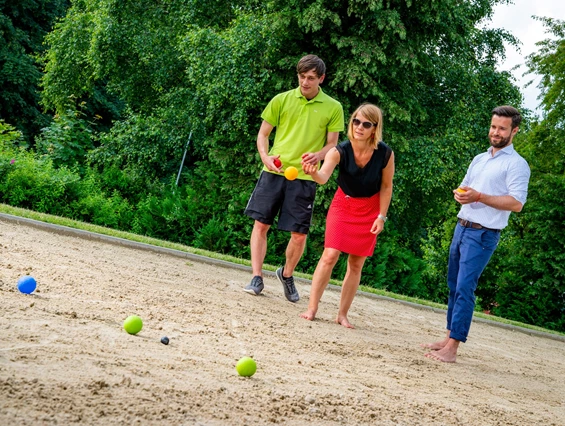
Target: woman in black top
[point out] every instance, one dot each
(359, 207)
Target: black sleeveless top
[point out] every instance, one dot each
(361, 182)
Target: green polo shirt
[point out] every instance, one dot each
(301, 125)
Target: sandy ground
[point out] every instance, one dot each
(65, 358)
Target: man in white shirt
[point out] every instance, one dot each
(496, 184)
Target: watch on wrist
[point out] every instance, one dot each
(384, 218)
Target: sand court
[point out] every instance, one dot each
(65, 358)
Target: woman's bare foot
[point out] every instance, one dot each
(344, 321)
(310, 314)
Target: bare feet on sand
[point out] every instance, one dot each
(446, 350)
(310, 314)
(443, 355)
(435, 346)
(344, 321)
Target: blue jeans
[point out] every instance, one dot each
(469, 254)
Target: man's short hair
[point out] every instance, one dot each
(508, 111)
(311, 62)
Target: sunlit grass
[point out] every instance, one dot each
(74, 224)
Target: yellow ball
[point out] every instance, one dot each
(246, 367)
(291, 173)
(133, 324)
(460, 190)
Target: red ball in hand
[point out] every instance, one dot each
(277, 163)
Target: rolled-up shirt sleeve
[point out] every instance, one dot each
(517, 180)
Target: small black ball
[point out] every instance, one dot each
(165, 340)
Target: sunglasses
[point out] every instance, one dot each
(365, 124)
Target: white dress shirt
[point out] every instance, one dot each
(505, 173)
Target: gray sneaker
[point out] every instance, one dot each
(288, 285)
(256, 286)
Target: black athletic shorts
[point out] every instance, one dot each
(292, 200)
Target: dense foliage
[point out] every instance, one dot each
(532, 284)
(23, 26)
(129, 82)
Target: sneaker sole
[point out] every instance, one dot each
(250, 291)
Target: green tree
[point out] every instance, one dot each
(10, 137)
(531, 279)
(549, 62)
(210, 68)
(67, 140)
(23, 26)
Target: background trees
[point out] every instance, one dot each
(129, 81)
(532, 284)
(23, 26)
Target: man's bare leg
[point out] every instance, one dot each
(258, 247)
(436, 346)
(446, 354)
(320, 281)
(293, 253)
(349, 288)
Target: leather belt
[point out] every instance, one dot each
(474, 225)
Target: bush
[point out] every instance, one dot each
(171, 215)
(67, 140)
(97, 208)
(531, 280)
(36, 184)
(214, 236)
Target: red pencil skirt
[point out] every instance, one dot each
(349, 221)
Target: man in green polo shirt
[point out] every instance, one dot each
(308, 123)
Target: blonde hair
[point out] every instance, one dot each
(374, 114)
